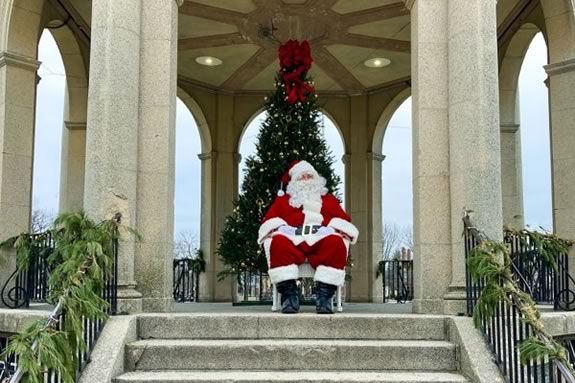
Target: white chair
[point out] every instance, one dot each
(305, 271)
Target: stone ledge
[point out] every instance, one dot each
(107, 358)
(15, 320)
(475, 358)
(12, 59)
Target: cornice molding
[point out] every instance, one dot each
(509, 128)
(15, 60)
(208, 156)
(180, 2)
(73, 125)
(560, 67)
(375, 156)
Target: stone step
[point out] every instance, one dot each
(287, 354)
(303, 326)
(240, 376)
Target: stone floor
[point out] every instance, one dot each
(363, 308)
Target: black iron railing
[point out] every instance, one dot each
(31, 284)
(91, 328)
(7, 365)
(254, 287)
(397, 277)
(547, 284)
(186, 277)
(506, 329)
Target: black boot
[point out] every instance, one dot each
(289, 294)
(324, 293)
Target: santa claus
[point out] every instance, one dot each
(306, 223)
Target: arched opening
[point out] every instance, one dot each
(50, 100)
(397, 206)
(255, 286)
(187, 202)
(330, 131)
(535, 138)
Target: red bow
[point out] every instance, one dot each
(295, 61)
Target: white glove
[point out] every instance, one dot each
(325, 230)
(287, 230)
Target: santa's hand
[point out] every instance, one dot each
(326, 230)
(287, 230)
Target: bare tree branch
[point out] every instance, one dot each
(391, 240)
(187, 245)
(41, 220)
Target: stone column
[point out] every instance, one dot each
(17, 111)
(73, 166)
(156, 153)
(431, 200)
(225, 189)
(474, 147)
(208, 242)
(562, 114)
(358, 201)
(112, 133)
(511, 176)
(375, 161)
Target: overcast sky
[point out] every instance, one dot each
(397, 190)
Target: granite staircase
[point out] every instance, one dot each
(259, 348)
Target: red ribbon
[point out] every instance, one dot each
(295, 61)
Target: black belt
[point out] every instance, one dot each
(307, 229)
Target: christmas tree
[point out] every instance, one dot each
(291, 131)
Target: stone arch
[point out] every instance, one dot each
(199, 117)
(560, 28)
(21, 26)
(208, 241)
(75, 117)
(262, 109)
(509, 108)
(385, 117)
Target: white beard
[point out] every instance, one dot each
(305, 191)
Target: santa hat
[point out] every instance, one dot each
(293, 171)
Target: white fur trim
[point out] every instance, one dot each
(281, 193)
(300, 167)
(268, 226)
(283, 273)
(346, 227)
(329, 275)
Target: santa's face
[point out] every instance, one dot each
(306, 187)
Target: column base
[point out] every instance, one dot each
(158, 305)
(129, 300)
(455, 301)
(428, 306)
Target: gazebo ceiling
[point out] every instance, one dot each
(343, 35)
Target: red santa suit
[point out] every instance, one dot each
(318, 237)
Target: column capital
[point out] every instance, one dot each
(179, 2)
(23, 62)
(208, 156)
(560, 67)
(409, 4)
(74, 125)
(376, 156)
(509, 128)
(345, 158)
(237, 158)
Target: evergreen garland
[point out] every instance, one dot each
(290, 132)
(81, 262)
(491, 261)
